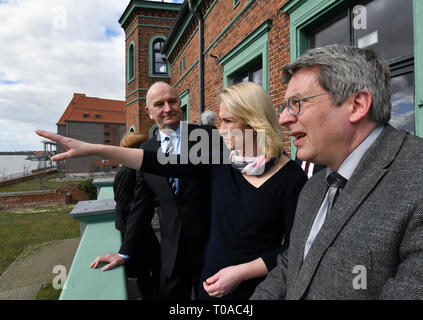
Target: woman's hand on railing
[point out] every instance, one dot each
(113, 260)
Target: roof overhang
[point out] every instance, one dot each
(134, 4)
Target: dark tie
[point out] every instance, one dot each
(169, 150)
(307, 165)
(335, 182)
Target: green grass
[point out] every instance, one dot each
(20, 228)
(39, 183)
(47, 292)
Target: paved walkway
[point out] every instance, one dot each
(34, 267)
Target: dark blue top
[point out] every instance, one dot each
(246, 222)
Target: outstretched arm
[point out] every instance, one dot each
(129, 157)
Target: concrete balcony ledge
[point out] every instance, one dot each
(94, 210)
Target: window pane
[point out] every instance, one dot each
(334, 31)
(184, 113)
(160, 68)
(158, 44)
(389, 27)
(257, 77)
(402, 88)
(158, 57)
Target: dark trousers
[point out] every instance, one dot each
(184, 278)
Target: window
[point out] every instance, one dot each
(158, 66)
(236, 3)
(184, 97)
(249, 60)
(378, 25)
(159, 61)
(85, 115)
(131, 62)
(252, 74)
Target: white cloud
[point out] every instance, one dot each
(51, 49)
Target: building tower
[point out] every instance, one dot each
(146, 25)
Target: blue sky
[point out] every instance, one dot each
(49, 50)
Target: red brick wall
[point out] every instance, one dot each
(25, 178)
(63, 195)
(220, 16)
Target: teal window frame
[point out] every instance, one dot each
(151, 73)
(236, 3)
(255, 46)
(132, 129)
(131, 62)
(184, 97)
(152, 129)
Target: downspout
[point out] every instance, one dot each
(200, 21)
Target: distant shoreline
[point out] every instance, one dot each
(17, 153)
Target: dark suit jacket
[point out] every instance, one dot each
(185, 215)
(371, 244)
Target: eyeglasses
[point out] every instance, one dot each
(293, 104)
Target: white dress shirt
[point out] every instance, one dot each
(346, 170)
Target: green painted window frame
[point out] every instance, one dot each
(151, 73)
(152, 129)
(252, 48)
(236, 3)
(304, 13)
(131, 64)
(184, 97)
(132, 129)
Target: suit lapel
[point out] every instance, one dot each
(371, 169)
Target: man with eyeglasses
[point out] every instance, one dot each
(358, 230)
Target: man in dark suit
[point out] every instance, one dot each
(183, 205)
(358, 230)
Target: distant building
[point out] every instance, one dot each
(92, 120)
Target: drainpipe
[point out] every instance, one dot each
(200, 21)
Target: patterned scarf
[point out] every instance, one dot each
(252, 166)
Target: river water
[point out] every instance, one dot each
(17, 164)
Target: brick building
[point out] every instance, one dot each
(92, 120)
(251, 40)
(146, 26)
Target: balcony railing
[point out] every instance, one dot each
(99, 236)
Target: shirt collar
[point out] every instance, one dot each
(351, 162)
(170, 133)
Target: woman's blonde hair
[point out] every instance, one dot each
(132, 140)
(250, 104)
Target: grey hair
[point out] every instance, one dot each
(345, 70)
(208, 117)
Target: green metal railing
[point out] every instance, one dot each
(99, 236)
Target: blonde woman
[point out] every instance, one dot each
(253, 196)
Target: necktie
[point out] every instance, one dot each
(169, 150)
(335, 182)
(307, 165)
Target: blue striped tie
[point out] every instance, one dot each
(169, 150)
